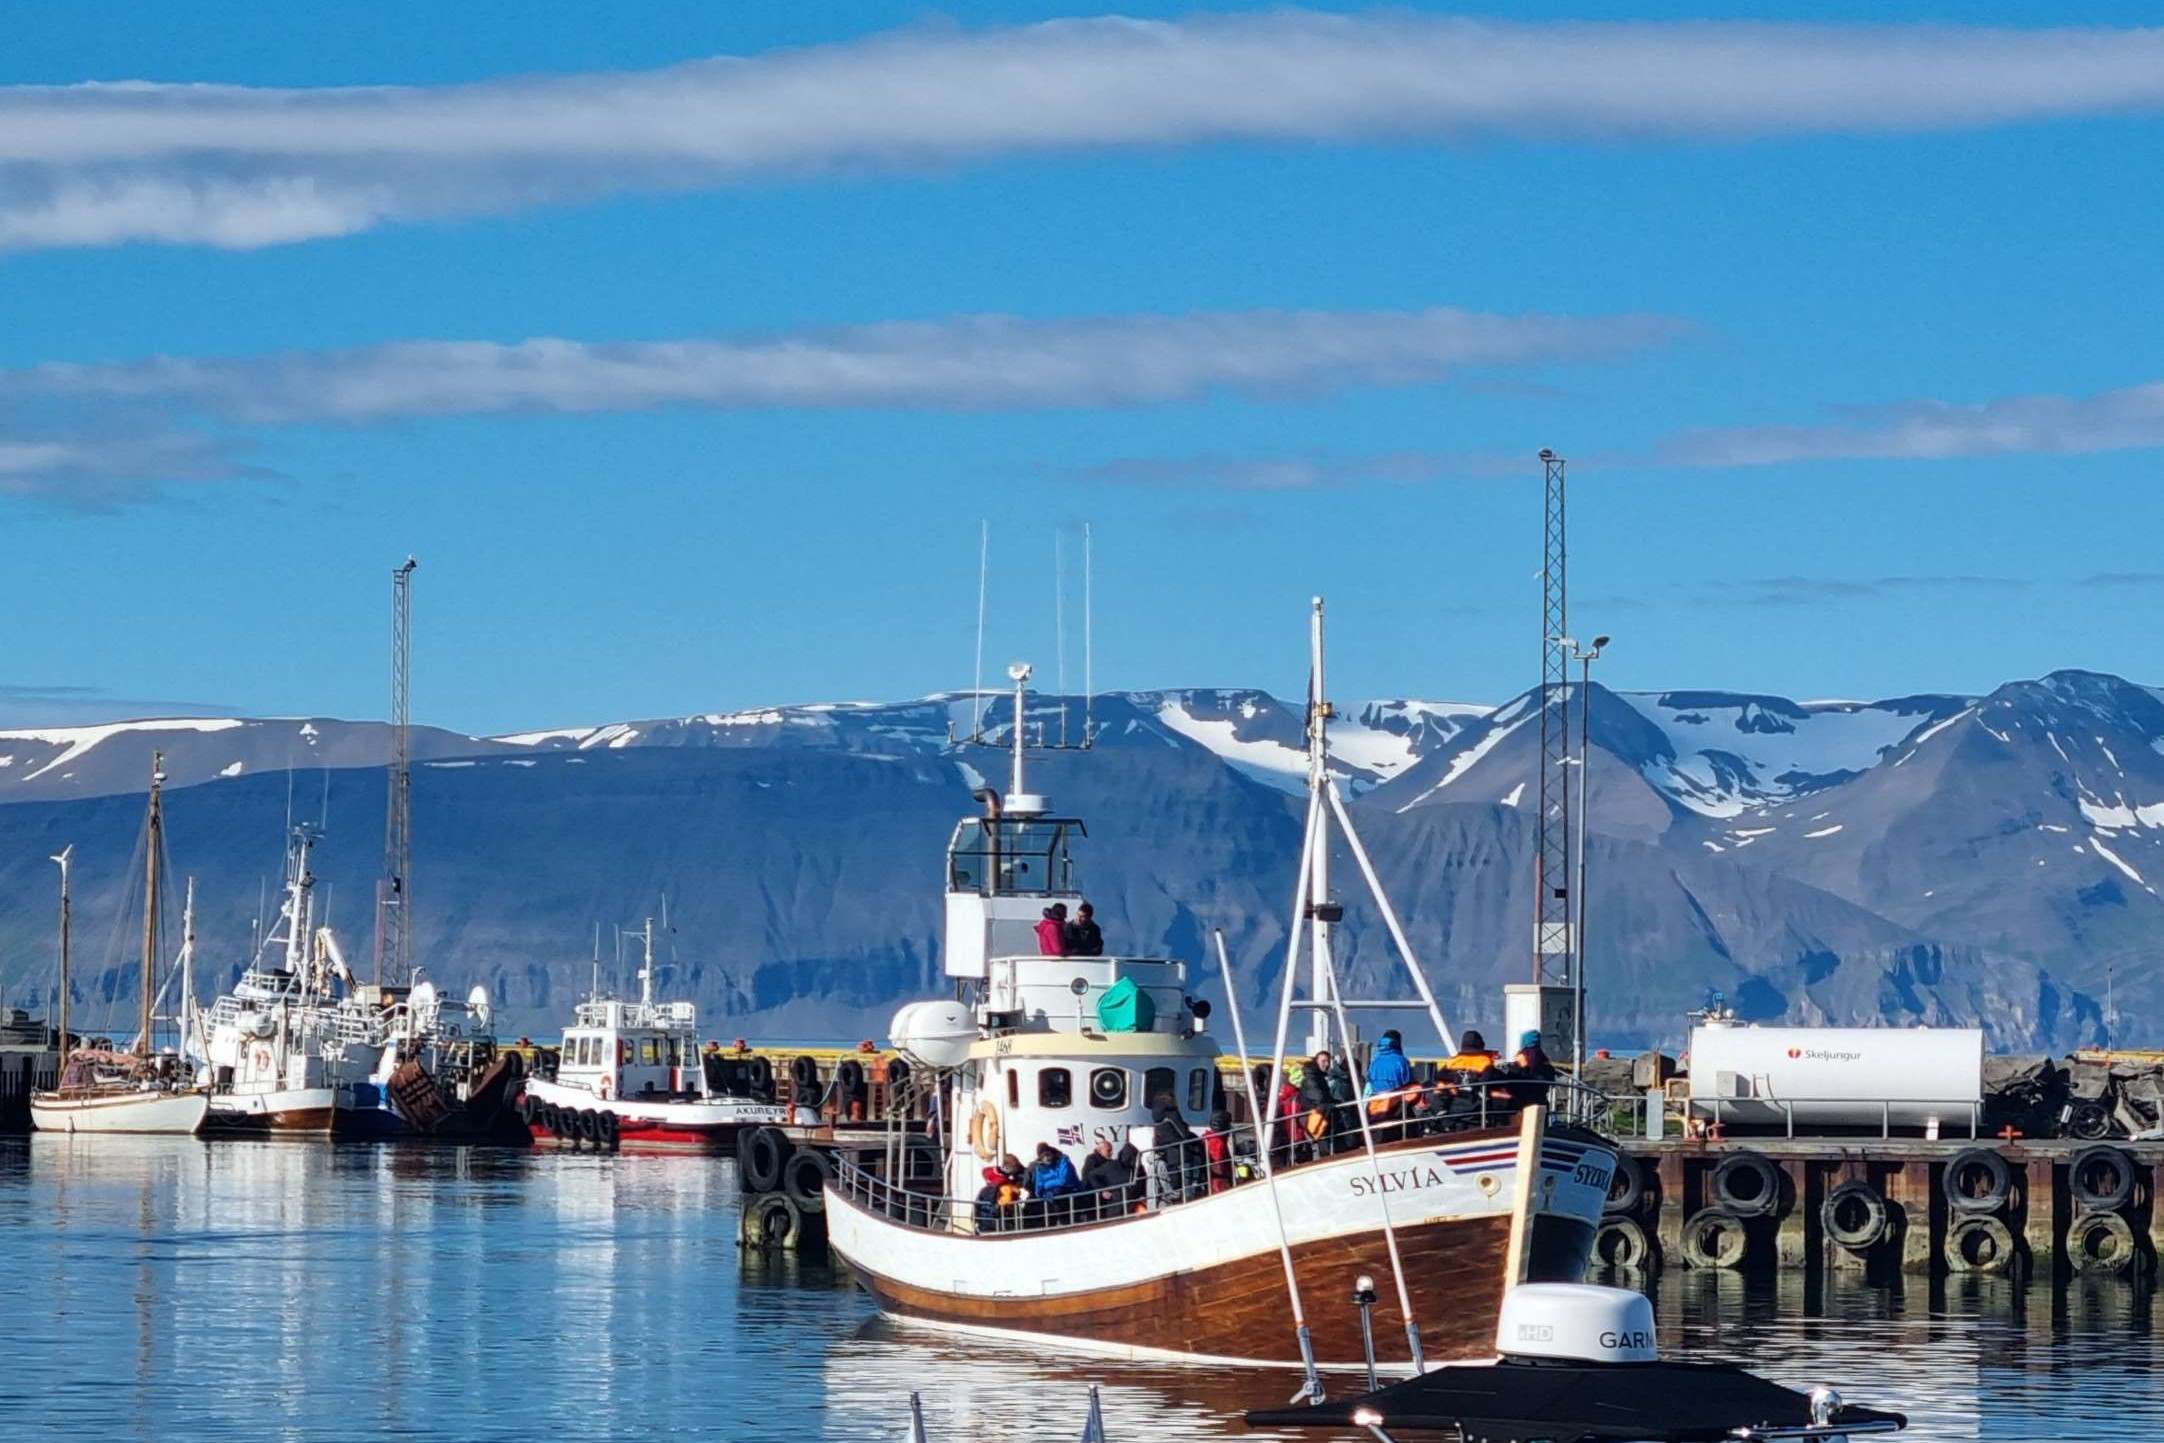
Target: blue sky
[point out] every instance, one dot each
(1848, 367)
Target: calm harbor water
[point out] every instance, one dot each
(166, 1288)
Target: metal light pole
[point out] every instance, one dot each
(1585, 657)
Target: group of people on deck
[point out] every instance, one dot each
(1059, 937)
(1115, 1179)
(1316, 1100)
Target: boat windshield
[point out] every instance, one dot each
(1012, 856)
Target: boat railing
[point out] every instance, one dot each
(1175, 1171)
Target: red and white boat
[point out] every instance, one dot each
(631, 1076)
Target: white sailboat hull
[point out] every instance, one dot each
(171, 1113)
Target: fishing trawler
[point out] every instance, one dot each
(630, 1076)
(140, 1090)
(291, 1050)
(1199, 1264)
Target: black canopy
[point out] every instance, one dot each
(1511, 1402)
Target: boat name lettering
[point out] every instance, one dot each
(1403, 1179)
(1591, 1174)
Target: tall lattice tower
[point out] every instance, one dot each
(1552, 943)
(394, 918)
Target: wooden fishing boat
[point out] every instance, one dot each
(1209, 1255)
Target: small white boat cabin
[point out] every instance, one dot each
(616, 1048)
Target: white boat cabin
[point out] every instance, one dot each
(618, 1049)
(1066, 1050)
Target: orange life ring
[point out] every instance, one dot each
(984, 1131)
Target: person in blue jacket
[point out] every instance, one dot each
(1053, 1175)
(1388, 1071)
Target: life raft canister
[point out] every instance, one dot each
(984, 1131)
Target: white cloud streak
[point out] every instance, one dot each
(236, 166)
(973, 363)
(2131, 418)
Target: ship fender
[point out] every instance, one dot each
(763, 1155)
(1621, 1243)
(772, 1220)
(759, 1074)
(984, 1131)
(1979, 1243)
(1626, 1189)
(2101, 1178)
(1978, 1181)
(2100, 1244)
(1855, 1216)
(1746, 1185)
(1715, 1238)
(805, 1177)
(804, 1074)
(609, 1130)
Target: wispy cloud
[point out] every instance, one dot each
(176, 417)
(94, 469)
(965, 363)
(227, 165)
(2131, 418)
(1298, 472)
(45, 706)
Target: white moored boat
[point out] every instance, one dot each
(630, 1075)
(1208, 1259)
(140, 1090)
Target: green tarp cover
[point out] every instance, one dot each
(1126, 1008)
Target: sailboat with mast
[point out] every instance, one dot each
(140, 1090)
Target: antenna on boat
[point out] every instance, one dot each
(1089, 681)
(1059, 624)
(976, 687)
(596, 993)
(646, 972)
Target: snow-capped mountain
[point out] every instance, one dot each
(1996, 859)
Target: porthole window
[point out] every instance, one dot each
(1055, 1087)
(1108, 1088)
(1160, 1084)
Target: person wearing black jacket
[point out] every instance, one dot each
(1327, 1088)
(1084, 937)
(1105, 1179)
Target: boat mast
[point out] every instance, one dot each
(153, 844)
(646, 972)
(1318, 837)
(1019, 674)
(187, 966)
(61, 1043)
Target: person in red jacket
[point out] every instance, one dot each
(1052, 931)
(1217, 1150)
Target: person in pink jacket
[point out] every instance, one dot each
(1052, 931)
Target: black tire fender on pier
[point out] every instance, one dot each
(1978, 1180)
(1979, 1243)
(1626, 1188)
(762, 1156)
(804, 1073)
(850, 1074)
(2101, 1178)
(805, 1177)
(589, 1125)
(759, 1072)
(1714, 1238)
(610, 1129)
(2100, 1244)
(1855, 1216)
(1746, 1185)
(1620, 1242)
(897, 1071)
(771, 1220)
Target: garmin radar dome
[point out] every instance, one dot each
(1576, 1322)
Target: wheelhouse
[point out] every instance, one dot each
(628, 1049)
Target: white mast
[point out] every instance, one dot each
(1318, 835)
(1019, 800)
(187, 966)
(646, 972)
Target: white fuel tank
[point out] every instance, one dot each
(1839, 1076)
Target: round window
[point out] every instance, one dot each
(1108, 1087)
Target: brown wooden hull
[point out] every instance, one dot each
(289, 1122)
(1238, 1310)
